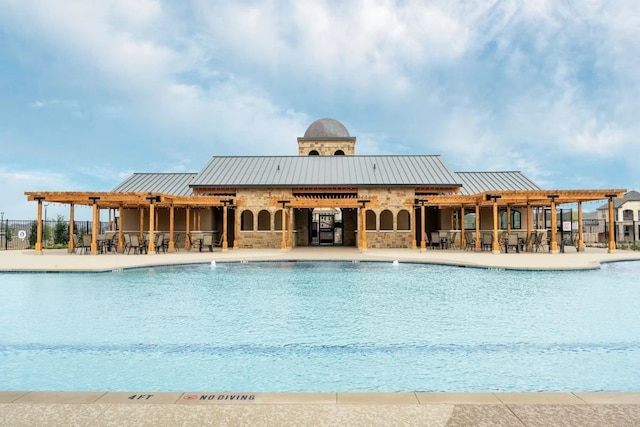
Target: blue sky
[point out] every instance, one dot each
(92, 91)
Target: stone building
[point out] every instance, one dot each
(327, 195)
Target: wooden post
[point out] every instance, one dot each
(413, 228)
(39, 227)
(495, 248)
(363, 228)
(508, 219)
(580, 243)
(463, 239)
(236, 229)
(553, 245)
(225, 244)
(290, 233)
(478, 242)
(529, 227)
(141, 229)
(71, 245)
(283, 244)
(423, 233)
(187, 238)
(120, 231)
(171, 247)
(151, 247)
(95, 226)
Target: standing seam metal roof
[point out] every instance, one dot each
(479, 182)
(169, 183)
(325, 171)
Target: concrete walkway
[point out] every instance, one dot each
(60, 260)
(22, 408)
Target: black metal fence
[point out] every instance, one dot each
(22, 234)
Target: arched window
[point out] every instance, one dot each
(247, 221)
(314, 153)
(264, 220)
(339, 153)
(277, 220)
(627, 215)
(516, 219)
(370, 223)
(386, 220)
(404, 220)
(469, 220)
(503, 220)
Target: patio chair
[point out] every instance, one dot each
(470, 241)
(159, 243)
(512, 242)
(452, 236)
(530, 243)
(137, 245)
(541, 241)
(76, 244)
(434, 240)
(86, 243)
(487, 241)
(206, 241)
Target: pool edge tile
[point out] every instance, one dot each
(539, 398)
(11, 396)
(60, 397)
(284, 398)
(426, 398)
(602, 397)
(140, 398)
(373, 398)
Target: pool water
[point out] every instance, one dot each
(322, 326)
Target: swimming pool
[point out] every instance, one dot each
(326, 326)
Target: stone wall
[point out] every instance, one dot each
(326, 147)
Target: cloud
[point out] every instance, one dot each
(489, 84)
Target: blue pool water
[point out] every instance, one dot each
(322, 327)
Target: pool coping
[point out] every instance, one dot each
(59, 261)
(319, 398)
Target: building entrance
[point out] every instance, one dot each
(326, 227)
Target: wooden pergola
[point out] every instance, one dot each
(523, 198)
(493, 199)
(120, 201)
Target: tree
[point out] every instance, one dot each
(61, 231)
(33, 234)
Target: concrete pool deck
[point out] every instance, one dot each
(24, 408)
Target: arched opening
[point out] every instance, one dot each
(277, 220)
(264, 220)
(386, 220)
(339, 153)
(246, 223)
(314, 153)
(404, 220)
(370, 223)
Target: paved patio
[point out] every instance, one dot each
(23, 408)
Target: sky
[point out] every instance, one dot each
(93, 91)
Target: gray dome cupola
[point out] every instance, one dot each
(326, 137)
(326, 128)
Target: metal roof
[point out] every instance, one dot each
(478, 182)
(326, 171)
(169, 183)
